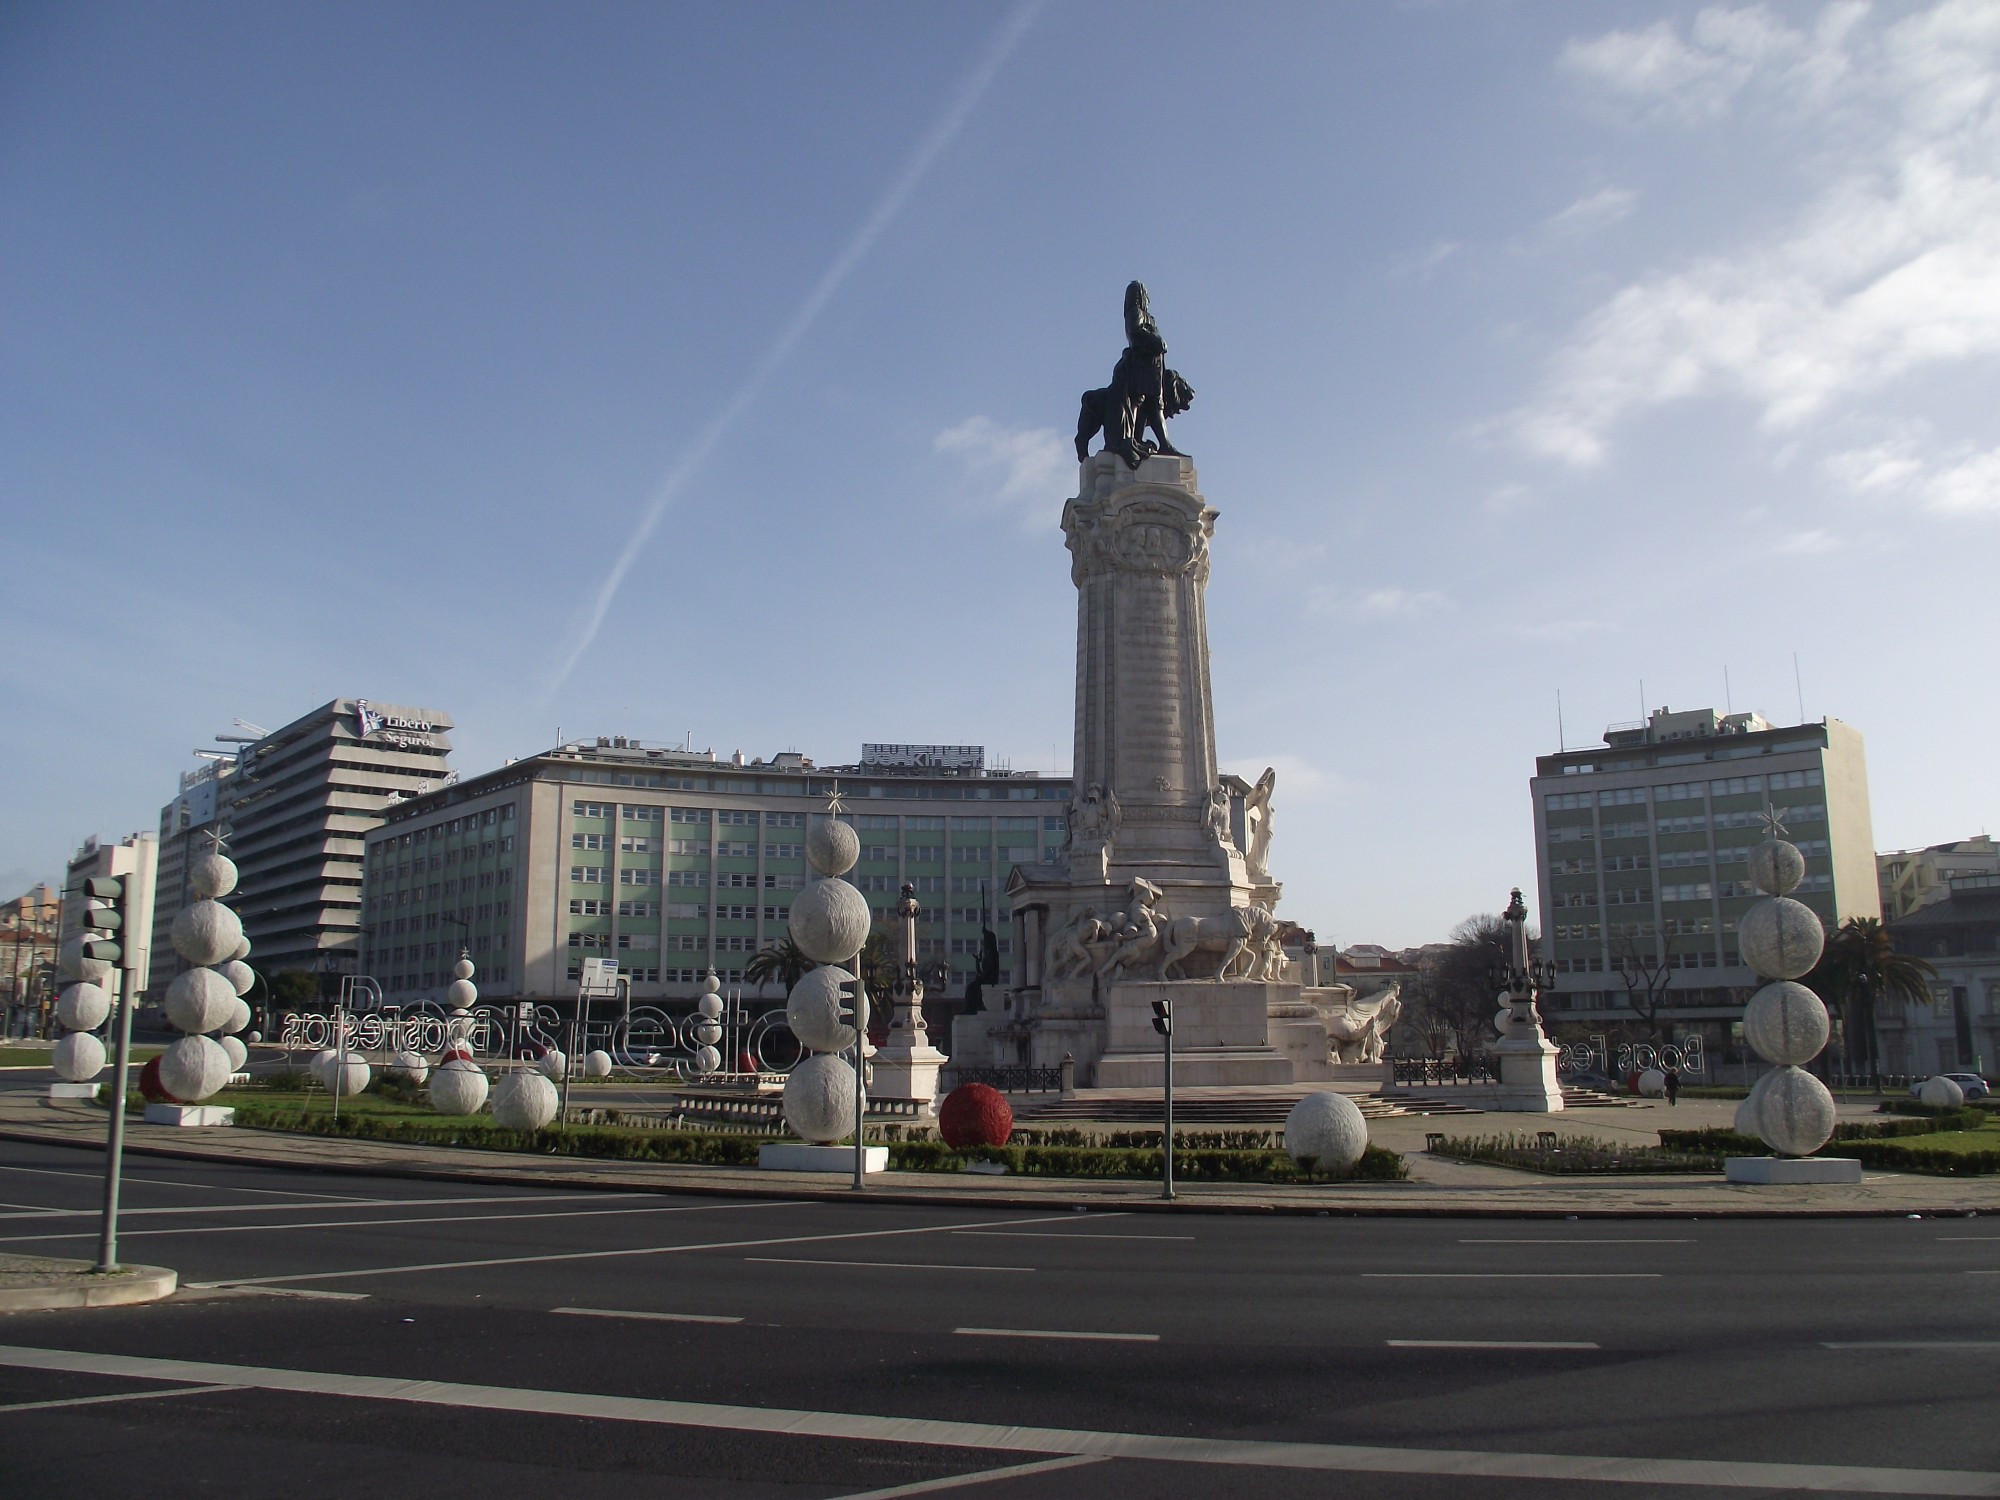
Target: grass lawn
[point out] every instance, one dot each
(1986, 1138)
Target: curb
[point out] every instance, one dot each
(502, 1176)
(86, 1288)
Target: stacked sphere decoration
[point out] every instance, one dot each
(1785, 1023)
(458, 1086)
(239, 1055)
(524, 1101)
(975, 1114)
(82, 1008)
(1326, 1132)
(829, 922)
(207, 997)
(461, 993)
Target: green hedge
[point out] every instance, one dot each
(1721, 1138)
(1929, 1159)
(1577, 1154)
(1193, 1164)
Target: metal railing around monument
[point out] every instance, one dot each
(1015, 1080)
(1435, 1072)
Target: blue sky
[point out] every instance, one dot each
(349, 349)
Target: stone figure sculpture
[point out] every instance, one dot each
(1358, 1030)
(1218, 816)
(1142, 395)
(1077, 946)
(1140, 938)
(1257, 823)
(1242, 936)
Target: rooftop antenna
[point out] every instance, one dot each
(1642, 698)
(1728, 701)
(1561, 743)
(1799, 684)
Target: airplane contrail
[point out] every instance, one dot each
(933, 145)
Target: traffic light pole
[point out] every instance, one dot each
(860, 1077)
(114, 1146)
(1167, 1137)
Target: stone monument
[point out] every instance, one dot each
(906, 1064)
(1162, 888)
(1527, 1057)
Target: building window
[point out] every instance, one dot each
(638, 877)
(587, 874)
(590, 841)
(589, 809)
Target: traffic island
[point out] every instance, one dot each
(38, 1283)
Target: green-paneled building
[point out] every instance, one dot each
(1643, 843)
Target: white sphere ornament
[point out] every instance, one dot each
(458, 1087)
(83, 1007)
(707, 1032)
(819, 1098)
(322, 1063)
(832, 847)
(1777, 867)
(199, 1001)
(1795, 1114)
(194, 1068)
(242, 951)
(709, 983)
(706, 1059)
(239, 1055)
(77, 1058)
(242, 978)
(460, 994)
(1653, 1084)
(829, 921)
(813, 1011)
(551, 1064)
(1941, 1093)
(71, 963)
(347, 1078)
(524, 1101)
(212, 875)
(1747, 1111)
(239, 1016)
(709, 1005)
(597, 1065)
(207, 933)
(1785, 1023)
(462, 969)
(1326, 1130)
(1780, 938)
(411, 1066)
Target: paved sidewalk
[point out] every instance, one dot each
(1437, 1186)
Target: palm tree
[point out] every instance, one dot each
(1861, 967)
(783, 961)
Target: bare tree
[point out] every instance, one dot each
(1646, 980)
(1454, 996)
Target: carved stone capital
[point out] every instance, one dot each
(1137, 523)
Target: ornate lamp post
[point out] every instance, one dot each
(1527, 1057)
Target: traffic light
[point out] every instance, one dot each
(102, 918)
(1163, 1017)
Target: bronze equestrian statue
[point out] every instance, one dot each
(1143, 392)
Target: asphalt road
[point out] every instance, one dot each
(359, 1336)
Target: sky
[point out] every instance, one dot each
(707, 374)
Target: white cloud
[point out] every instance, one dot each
(1386, 602)
(1890, 267)
(1028, 469)
(1594, 211)
(1419, 265)
(1809, 543)
(1957, 480)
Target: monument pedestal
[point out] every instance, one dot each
(1527, 1075)
(796, 1156)
(1773, 1171)
(909, 1073)
(1222, 1035)
(73, 1090)
(190, 1114)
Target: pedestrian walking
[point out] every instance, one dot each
(1673, 1086)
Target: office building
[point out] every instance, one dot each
(300, 805)
(1642, 845)
(189, 826)
(672, 862)
(1911, 878)
(1958, 933)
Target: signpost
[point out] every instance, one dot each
(1163, 1022)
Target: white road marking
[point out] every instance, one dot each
(279, 1208)
(572, 1255)
(1917, 1344)
(978, 1476)
(1488, 1344)
(1970, 1239)
(294, 1291)
(179, 1390)
(1511, 1275)
(879, 1265)
(1057, 1234)
(566, 1213)
(1057, 1333)
(1605, 1241)
(1712, 1474)
(206, 1187)
(655, 1317)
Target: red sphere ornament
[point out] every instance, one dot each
(150, 1087)
(975, 1114)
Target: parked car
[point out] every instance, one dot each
(1971, 1084)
